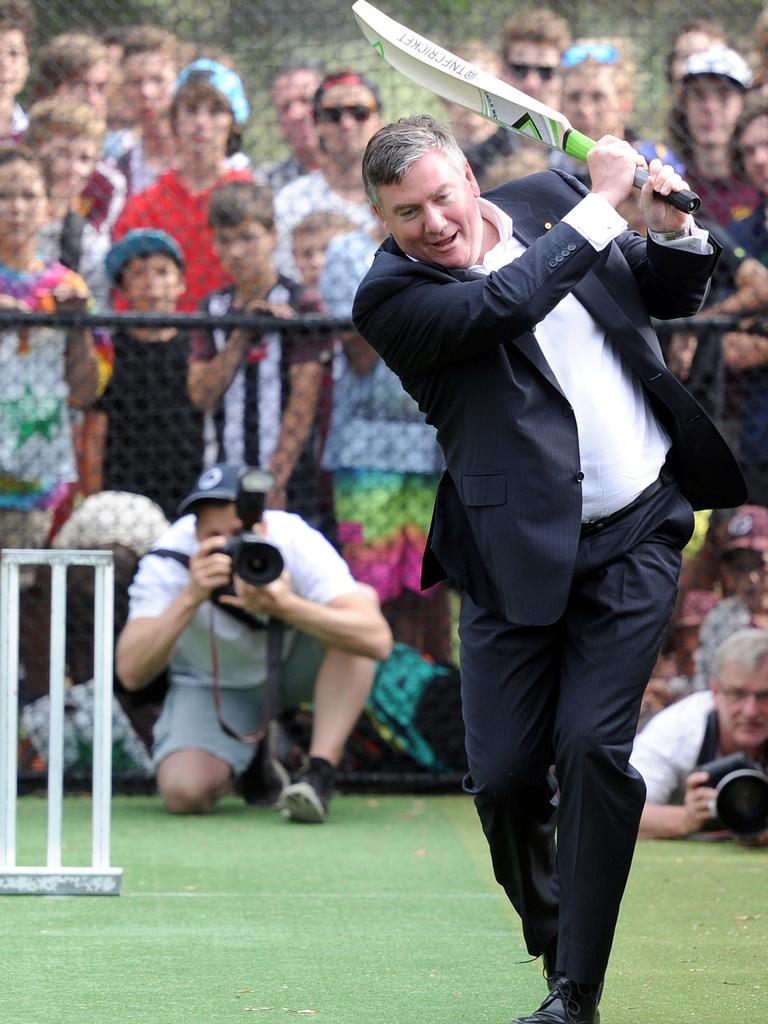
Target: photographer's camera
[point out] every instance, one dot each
(741, 804)
(253, 559)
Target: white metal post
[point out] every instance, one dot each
(102, 713)
(9, 707)
(56, 711)
(53, 878)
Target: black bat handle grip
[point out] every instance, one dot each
(684, 200)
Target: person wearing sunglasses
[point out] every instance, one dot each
(346, 114)
(532, 51)
(729, 717)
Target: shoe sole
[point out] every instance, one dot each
(300, 802)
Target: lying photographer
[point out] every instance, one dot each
(227, 678)
(681, 751)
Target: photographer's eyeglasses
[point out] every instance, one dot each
(603, 53)
(333, 115)
(737, 696)
(546, 72)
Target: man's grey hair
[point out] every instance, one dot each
(397, 146)
(747, 648)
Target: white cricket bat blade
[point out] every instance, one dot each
(457, 80)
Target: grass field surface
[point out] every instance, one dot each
(388, 913)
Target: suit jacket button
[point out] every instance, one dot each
(572, 247)
(553, 264)
(579, 477)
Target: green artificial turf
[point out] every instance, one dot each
(388, 913)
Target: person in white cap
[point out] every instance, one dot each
(701, 128)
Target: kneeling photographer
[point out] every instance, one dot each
(704, 758)
(250, 611)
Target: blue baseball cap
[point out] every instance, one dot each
(224, 80)
(223, 482)
(219, 483)
(141, 242)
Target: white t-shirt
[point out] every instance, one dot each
(667, 750)
(318, 573)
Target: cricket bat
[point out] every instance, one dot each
(461, 82)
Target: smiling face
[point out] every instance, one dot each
(433, 213)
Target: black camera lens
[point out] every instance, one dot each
(742, 802)
(253, 560)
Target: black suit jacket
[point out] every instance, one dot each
(507, 517)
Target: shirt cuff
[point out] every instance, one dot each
(697, 240)
(595, 219)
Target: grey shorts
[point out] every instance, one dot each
(188, 718)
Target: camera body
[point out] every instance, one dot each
(742, 793)
(253, 559)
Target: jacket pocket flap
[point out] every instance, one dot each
(489, 489)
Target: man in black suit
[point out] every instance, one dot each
(519, 321)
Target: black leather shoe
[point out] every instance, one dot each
(549, 956)
(569, 1003)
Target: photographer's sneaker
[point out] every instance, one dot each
(307, 798)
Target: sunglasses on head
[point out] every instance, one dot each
(603, 53)
(545, 71)
(333, 115)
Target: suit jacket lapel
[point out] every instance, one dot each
(620, 321)
(626, 324)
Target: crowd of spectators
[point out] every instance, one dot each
(125, 184)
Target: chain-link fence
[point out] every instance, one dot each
(217, 257)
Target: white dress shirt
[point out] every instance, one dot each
(621, 443)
